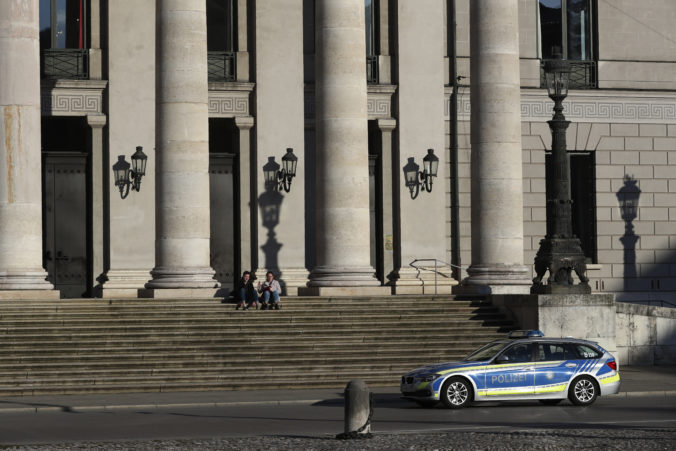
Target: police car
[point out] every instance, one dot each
(524, 366)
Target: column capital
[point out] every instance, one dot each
(387, 124)
(97, 120)
(244, 122)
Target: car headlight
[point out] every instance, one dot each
(428, 377)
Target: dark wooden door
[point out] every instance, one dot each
(65, 222)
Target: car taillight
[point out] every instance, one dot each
(612, 364)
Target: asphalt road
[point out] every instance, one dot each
(325, 419)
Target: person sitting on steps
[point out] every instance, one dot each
(270, 290)
(246, 293)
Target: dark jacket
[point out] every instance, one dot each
(249, 288)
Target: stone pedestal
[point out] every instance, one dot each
(587, 316)
(20, 163)
(497, 185)
(342, 188)
(182, 149)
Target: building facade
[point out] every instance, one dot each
(215, 92)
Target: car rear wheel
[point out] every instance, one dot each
(456, 393)
(583, 391)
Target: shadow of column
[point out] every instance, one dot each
(628, 197)
(270, 204)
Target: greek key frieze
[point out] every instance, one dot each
(589, 109)
(70, 104)
(228, 106)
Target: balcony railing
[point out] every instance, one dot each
(64, 63)
(372, 69)
(222, 66)
(583, 74)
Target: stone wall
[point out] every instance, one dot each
(645, 335)
(634, 334)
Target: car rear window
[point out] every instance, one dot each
(556, 351)
(587, 352)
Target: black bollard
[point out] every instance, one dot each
(358, 410)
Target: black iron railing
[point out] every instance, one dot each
(64, 63)
(222, 66)
(372, 69)
(583, 74)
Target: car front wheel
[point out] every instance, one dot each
(456, 393)
(583, 391)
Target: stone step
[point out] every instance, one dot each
(47, 345)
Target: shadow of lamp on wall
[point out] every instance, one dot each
(628, 196)
(280, 179)
(415, 179)
(128, 176)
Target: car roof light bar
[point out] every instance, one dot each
(525, 334)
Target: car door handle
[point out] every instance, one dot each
(570, 365)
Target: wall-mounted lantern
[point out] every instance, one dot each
(276, 179)
(415, 179)
(129, 175)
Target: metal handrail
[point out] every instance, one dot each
(435, 270)
(221, 66)
(64, 63)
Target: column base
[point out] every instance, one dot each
(25, 280)
(345, 291)
(177, 278)
(179, 293)
(495, 279)
(124, 283)
(333, 276)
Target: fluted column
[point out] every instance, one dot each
(20, 163)
(182, 148)
(497, 187)
(343, 252)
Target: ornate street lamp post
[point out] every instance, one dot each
(560, 251)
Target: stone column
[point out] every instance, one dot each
(20, 164)
(244, 125)
(182, 151)
(497, 186)
(343, 254)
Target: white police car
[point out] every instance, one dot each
(524, 366)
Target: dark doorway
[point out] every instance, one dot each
(66, 227)
(224, 195)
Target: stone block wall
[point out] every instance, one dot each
(645, 335)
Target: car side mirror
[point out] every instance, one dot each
(502, 359)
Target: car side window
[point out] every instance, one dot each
(519, 353)
(555, 351)
(587, 352)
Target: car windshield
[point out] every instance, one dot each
(485, 352)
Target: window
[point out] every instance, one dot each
(371, 41)
(221, 40)
(519, 353)
(587, 352)
(555, 351)
(63, 24)
(568, 26)
(64, 38)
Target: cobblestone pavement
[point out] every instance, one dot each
(599, 439)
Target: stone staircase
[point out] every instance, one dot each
(113, 346)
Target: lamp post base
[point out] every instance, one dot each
(560, 256)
